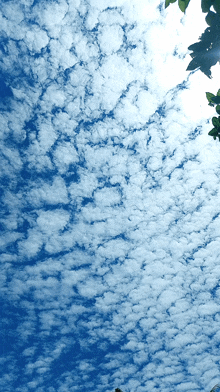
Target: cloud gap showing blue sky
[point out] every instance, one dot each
(109, 199)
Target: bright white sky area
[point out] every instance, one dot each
(110, 214)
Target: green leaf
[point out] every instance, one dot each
(216, 6)
(198, 46)
(217, 109)
(193, 65)
(216, 123)
(213, 133)
(218, 93)
(168, 2)
(210, 18)
(183, 4)
(216, 99)
(210, 96)
(206, 4)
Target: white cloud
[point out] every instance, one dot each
(51, 194)
(36, 39)
(32, 245)
(50, 221)
(110, 38)
(110, 202)
(65, 154)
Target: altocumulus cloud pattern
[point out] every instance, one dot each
(110, 200)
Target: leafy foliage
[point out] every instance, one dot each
(206, 4)
(216, 6)
(168, 2)
(206, 52)
(217, 386)
(213, 100)
(183, 4)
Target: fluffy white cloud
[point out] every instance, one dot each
(110, 201)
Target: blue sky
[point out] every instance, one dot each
(110, 199)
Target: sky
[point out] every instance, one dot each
(110, 218)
